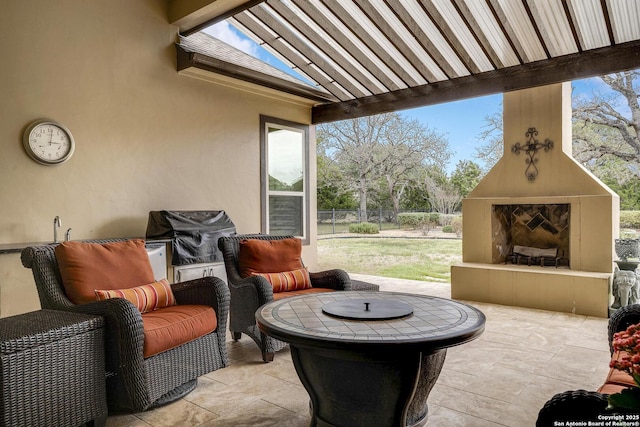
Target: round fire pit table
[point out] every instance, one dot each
(362, 369)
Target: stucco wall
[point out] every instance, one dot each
(146, 137)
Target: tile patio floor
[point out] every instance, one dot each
(503, 378)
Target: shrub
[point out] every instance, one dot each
(427, 226)
(456, 224)
(630, 219)
(433, 217)
(626, 233)
(364, 228)
(448, 229)
(418, 219)
(446, 219)
(410, 220)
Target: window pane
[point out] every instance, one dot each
(286, 160)
(284, 183)
(285, 215)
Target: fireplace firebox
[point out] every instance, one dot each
(531, 234)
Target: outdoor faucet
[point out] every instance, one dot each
(67, 235)
(56, 224)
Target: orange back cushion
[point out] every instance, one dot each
(146, 297)
(286, 281)
(269, 256)
(85, 267)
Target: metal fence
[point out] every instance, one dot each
(338, 221)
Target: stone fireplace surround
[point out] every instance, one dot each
(582, 287)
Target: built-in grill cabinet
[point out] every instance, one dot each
(194, 241)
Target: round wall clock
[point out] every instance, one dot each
(48, 142)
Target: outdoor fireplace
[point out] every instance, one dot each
(533, 235)
(538, 230)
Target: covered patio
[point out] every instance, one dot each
(160, 124)
(523, 358)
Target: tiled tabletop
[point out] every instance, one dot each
(435, 322)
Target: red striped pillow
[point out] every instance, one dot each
(146, 297)
(295, 280)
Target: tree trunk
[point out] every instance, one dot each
(362, 192)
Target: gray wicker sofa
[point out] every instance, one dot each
(135, 383)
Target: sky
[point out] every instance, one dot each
(460, 122)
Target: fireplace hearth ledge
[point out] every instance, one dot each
(564, 290)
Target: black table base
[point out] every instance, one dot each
(367, 389)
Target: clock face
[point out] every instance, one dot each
(48, 142)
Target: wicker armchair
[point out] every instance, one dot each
(250, 293)
(583, 405)
(134, 383)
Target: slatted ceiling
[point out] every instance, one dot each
(572, 24)
(306, 45)
(493, 31)
(372, 34)
(406, 44)
(383, 55)
(439, 31)
(476, 42)
(625, 19)
(459, 29)
(304, 59)
(523, 33)
(590, 23)
(406, 18)
(506, 30)
(362, 33)
(285, 60)
(554, 26)
(356, 48)
(341, 92)
(329, 46)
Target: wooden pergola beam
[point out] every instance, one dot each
(611, 59)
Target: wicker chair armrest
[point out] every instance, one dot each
(27, 256)
(254, 288)
(333, 279)
(123, 345)
(124, 334)
(211, 291)
(46, 276)
(621, 319)
(578, 405)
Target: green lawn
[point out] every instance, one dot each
(417, 259)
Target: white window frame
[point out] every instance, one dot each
(267, 122)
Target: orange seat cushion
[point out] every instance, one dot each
(269, 256)
(85, 267)
(281, 295)
(170, 327)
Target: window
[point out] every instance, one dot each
(284, 181)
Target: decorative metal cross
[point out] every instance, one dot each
(531, 148)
